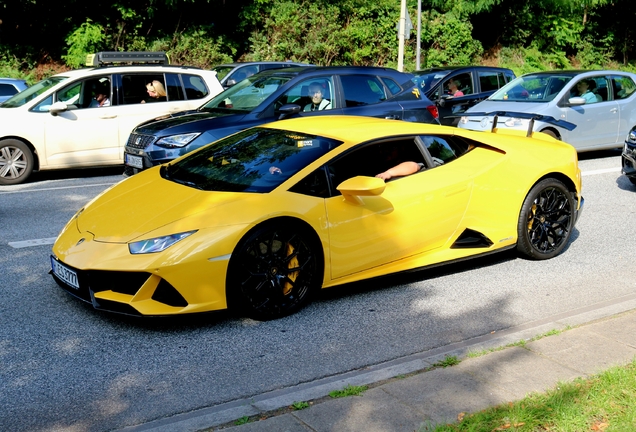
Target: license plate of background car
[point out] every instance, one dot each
(64, 273)
(134, 161)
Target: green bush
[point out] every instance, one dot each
(86, 39)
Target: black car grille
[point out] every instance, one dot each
(139, 141)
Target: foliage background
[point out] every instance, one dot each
(40, 37)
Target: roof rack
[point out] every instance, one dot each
(104, 58)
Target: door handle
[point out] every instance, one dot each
(108, 117)
(392, 117)
(614, 110)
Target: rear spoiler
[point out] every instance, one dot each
(530, 116)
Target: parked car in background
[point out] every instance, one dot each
(476, 83)
(11, 86)
(57, 123)
(629, 156)
(275, 94)
(231, 73)
(263, 219)
(603, 114)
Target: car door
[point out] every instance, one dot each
(448, 104)
(413, 215)
(597, 124)
(366, 95)
(82, 134)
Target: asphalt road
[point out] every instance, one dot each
(67, 367)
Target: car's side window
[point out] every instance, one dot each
(444, 149)
(622, 86)
(394, 88)
(7, 90)
(195, 87)
(82, 94)
(315, 184)
(174, 88)
(360, 90)
(372, 159)
(134, 87)
(464, 83)
(490, 80)
(312, 94)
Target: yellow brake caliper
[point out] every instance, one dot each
(293, 263)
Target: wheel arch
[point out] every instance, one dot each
(34, 152)
(567, 181)
(286, 221)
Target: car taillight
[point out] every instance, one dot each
(433, 110)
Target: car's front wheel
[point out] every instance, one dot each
(16, 162)
(546, 220)
(274, 270)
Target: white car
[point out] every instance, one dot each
(58, 123)
(602, 105)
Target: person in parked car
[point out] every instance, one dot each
(317, 101)
(584, 89)
(156, 92)
(454, 89)
(101, 98)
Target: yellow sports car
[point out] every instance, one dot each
(262, 219)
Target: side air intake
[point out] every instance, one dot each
(471, 239)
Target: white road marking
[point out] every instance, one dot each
(53, 188)
(35, 242)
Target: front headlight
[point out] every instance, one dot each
(631, 136)
(463, 119)
(174, 141)
(157, 244)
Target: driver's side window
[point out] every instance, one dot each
(313, 94)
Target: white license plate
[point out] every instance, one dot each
(134, 161)
(64, 273)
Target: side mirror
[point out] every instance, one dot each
(288, 110)
(576, 101)
(355, 187)
(57, 108)
(230, 83)
(442, 100)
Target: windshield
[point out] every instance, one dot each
(222, 71)
(428, 80)
(246, 95)
(32, 92)
(533, 88)
(255, 160)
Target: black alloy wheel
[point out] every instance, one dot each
(546, 220)
(274, 271)
(16, 162)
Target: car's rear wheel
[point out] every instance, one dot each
(16, 162)
(546, 220)
(274, 270)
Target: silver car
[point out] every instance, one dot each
(11, 86)
(602, 105)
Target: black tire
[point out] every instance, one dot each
(632, 179)
(16, 162)
(551, 133)
(274, 271)
(546, 220)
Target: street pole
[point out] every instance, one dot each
(419, 28)
(401, 35)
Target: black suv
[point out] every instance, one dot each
(274, 95)
(475, 82)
